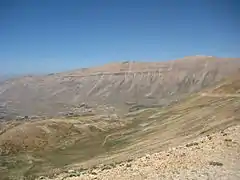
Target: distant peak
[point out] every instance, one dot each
(203, 56)
(198, 56)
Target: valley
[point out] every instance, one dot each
(87, 135)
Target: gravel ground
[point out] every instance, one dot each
(216, 156)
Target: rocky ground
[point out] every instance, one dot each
(215, 156)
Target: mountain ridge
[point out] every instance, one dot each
(51, 146)
(113, 85)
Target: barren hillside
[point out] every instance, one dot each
(215, 156)
(118, 86)
(54, 145)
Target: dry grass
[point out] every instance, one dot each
(39, 146)
(231, 86)
(157, 129)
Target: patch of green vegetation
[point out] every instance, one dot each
(14, 167)
(115, 144)
(84, 149)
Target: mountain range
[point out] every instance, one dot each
(125, 117)
(112, 88)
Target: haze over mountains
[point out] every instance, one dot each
(118, 87)
(4, 77)
(117, 112)
(96, 146)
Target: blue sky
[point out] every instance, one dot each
(57, 35)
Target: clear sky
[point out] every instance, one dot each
(42, 36)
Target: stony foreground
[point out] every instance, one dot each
(215, 156)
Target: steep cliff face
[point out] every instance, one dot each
(120, 85)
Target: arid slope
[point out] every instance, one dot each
(117, 86)
(205, 127)
(215, 156)
(34, 148)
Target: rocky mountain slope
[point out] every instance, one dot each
(120, 87)
(206, 128)
(215, 156)
(51, 146)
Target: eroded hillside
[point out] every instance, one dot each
(118, 86)
(33, 148)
